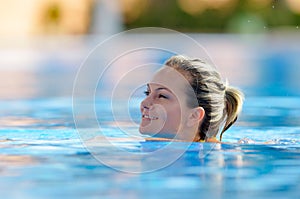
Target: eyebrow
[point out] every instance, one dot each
(160, 88)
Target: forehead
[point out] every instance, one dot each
(171, 79)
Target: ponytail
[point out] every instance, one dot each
(233, 106)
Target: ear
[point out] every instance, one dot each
(196, 116)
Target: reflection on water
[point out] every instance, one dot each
(36, 113)
(16, 160)
(42, 160)
(57, 158)
(271, 111)
(28, 122)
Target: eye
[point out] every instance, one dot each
(147, 92)
(162, 96)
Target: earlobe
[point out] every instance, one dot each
(196, 116)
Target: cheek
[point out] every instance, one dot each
(174, 115)
(160, 111)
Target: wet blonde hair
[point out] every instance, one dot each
(222, 103)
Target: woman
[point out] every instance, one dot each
(187, 100)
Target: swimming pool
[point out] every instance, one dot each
(42, 154)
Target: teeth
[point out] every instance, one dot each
(150, 117)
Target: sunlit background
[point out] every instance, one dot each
(78, 17)
(254, 43)
(59, 17)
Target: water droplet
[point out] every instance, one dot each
(273, 6)
(297, 27)
(249, 21)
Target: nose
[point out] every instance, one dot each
(146, 103)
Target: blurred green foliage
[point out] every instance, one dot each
(241, 16)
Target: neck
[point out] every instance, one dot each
(212, 139)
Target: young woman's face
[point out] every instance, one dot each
(164, 110)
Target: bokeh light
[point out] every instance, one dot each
(195, 7)
(294, 5)
(259, 4)
(33, 17)
(192, 7)
(132, 9)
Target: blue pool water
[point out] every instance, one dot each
(45, 154)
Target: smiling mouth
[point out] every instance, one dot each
(150, 117)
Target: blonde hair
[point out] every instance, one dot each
(222, 103)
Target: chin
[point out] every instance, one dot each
(145, 131)
(148, 132)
